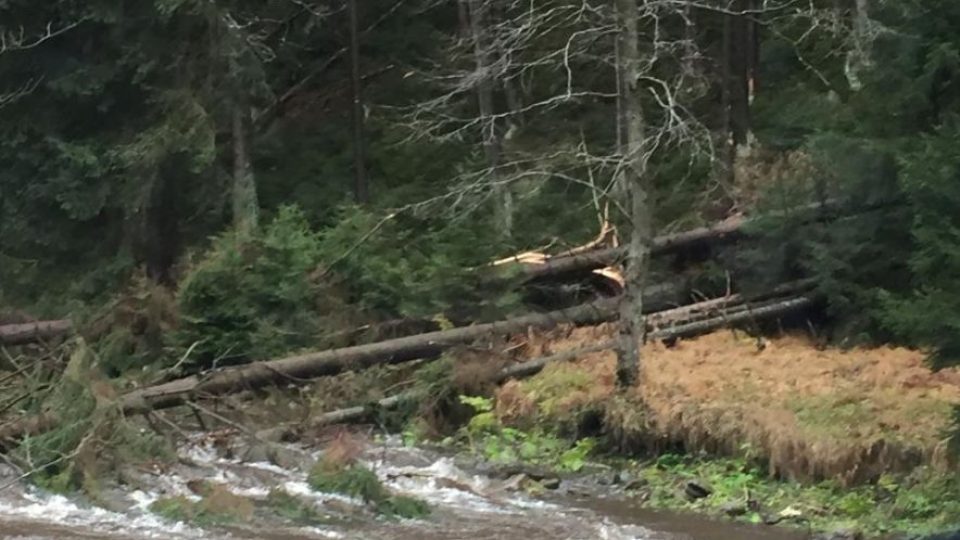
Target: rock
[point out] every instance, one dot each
(515, 482)
(955, 535)
(734, 508)
(770, 519)
(289, 458)
(623, 478)
(453, 483)
(550, 483)
(636, 484)
(696, 489)
(257, 452)
(840, 534)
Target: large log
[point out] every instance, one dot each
(298, 369)
(728, 230)
(20, 334)
(531, 367)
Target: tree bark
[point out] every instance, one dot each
(634, 179)
(245, 204)
(503, 197)
(859, 58)
(20, 334)
(361, 187)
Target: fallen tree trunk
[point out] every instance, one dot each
(298, 369)
(529, 368)
(727, 230)
(20, 334)
(332, 362)
(655, 298)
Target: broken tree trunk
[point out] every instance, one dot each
(727, 230)
(19, 334)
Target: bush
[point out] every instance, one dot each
(413, 266)
(257, 295)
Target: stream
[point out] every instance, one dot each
(465, 504)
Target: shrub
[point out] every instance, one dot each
(257, 295)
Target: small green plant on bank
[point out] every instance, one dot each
(294, 509)
(218, 506)
(486, 436)
(353, 480)
(923, 502)
(356, 480)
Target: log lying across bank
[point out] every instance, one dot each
(728, 230)
(300, 369)
(20, 334)
(531, 367)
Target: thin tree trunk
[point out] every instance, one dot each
(361, 187)
(463, 19)
(740, 49)
(859, 58)
(19, 334)
(503, 198)
(727, 144)
(633, 178)
(245, 204)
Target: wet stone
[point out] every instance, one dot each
(840, 534)
(636, 484)
(734, 508)
(697, 489)
(550, 483)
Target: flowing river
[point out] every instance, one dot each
(465, 505)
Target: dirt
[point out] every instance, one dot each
(814, 412)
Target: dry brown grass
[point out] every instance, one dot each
(813, 414)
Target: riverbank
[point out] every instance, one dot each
(781, 430)
(774, 431)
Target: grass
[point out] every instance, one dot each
(218, 506)
(355, 480)
(813, 414)
(921, 503)
(295, 509)
(352, 480)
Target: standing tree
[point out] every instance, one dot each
(634, 184)
(361, 188)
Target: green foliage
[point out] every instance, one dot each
(928, 314)
(258, 295)
(410, 265)
(352, 480)
(920, 503)
(217, 507)
(293, 508)
(357, 481)
(487, 437)
(402, 506)
(90, 436)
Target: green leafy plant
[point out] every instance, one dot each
(486, 435)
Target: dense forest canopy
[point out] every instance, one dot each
(279, 165)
